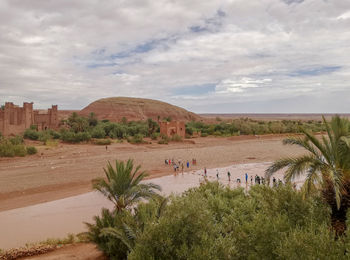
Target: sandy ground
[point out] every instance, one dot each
(77, 252)
(67, 170)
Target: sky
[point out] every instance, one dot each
(233, 56)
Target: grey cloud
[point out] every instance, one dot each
(50, 52)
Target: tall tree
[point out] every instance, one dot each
(123, 185)
(326, 166)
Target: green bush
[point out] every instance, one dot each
(31, 134)
(103, 142)
(164, 139)
(136, 139)
(98, 132)
(204, 134)
(213, 222)
(72, 137)
(176, 138)
(16, 140)
(10, 148)
(112, 246)
(31, 150)
(154, 136)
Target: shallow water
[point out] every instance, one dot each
(58, 218)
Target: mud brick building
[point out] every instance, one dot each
(14, 119)
(172, 128)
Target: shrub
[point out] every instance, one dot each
(31, 134)
(137, 139)
(103, 142)
(154, 136)
(98, 132)
(31, 150)
(204, 134)
(164, 139)
(176, 138)
(16, 140)
(71, 137)
(213, 222)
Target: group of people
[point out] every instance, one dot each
(179, 164)
(257, 179)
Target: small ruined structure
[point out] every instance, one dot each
(14, 119)
(171, 128)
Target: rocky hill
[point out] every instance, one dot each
(115, 108)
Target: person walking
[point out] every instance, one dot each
(217, 174)
(205, 172)
(246, 178)
(188, 164)
(251, 179)
(229, 176)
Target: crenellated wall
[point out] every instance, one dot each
(15, 120)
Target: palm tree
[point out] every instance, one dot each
(123, 185)
(326, 166)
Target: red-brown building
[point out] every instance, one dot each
(14, 119)
(172, 128)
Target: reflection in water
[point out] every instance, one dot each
(60, 217)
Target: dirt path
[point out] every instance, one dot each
(83, 251)
(67, 170)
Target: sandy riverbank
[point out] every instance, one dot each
(67, 170)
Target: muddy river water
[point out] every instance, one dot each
(56, 219)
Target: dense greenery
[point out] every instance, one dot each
(81, 129)
(14, 146)
(214, 222)
(246, 126)
(326, 166)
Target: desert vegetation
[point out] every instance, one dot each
(247, 126)
(14, 146)
(326, 165)
(214, 222)
(85, 129)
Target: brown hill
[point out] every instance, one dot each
(115, 108)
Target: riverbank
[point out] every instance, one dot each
(67, 170)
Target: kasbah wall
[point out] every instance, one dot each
(172, 128)
(14, 119)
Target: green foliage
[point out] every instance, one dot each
(72, 137)
(16, 140)
(103, 142)
(31, 150)
(92, 119)
(248, 126)
(164, 139)
(98, 132)
(176, 138)
(154, 136)
(113, 247)
(136, 139)
(10, 147)
(326, 165)
(31, 134)
(213, 222)
(153, 127)
(78, 123)
(123, 186)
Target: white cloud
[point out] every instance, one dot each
(257, 51)
(235, 86)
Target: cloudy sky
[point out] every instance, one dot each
(274, 56)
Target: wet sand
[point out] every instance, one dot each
(58, 218)
(67, 170)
